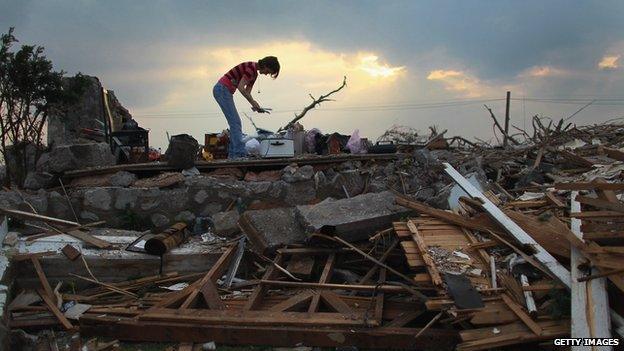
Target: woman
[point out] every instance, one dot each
(241, 77)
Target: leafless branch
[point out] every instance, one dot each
(312, 105)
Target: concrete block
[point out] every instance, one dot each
(226, 223)
(352, 219)
(268, 230)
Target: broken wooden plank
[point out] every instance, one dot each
(293, 301)
(55, 311)
(334, 301)
(206, 285)
(422, 247)
(70, 252)
(37, 217)
(42, 278)
(524, 317)
(589, 300)
(325, 277)
(88, 238)
(601, 204)
(589, 186)
(258, 292)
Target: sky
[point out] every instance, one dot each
(408, 63)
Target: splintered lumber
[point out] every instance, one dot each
(517, 309)
(330, 286)
(258, 292)
(88, 238)
(328, 270)
(334, 301)
(55, 311)
(390, 269)
(301, 266)
(576, 159)
(206, 285)
(589, 300)
(42, 278)
(194, 289)
(602, 204)
(601, 275)
(589, 186)
(383, 257)
(70, 252)
(444, 215)
(37, 217)
(288, 336)
(543, 256)
(294, 301)
(596, 214)
(546, 232)
(431, 267)
(258, 318)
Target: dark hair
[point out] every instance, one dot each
(271, 63)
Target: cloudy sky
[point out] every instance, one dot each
(410, 63)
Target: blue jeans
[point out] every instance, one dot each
(225, 99)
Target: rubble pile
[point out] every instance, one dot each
(447, 244)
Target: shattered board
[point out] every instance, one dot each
(460, 289)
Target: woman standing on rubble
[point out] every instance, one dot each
(241, 77)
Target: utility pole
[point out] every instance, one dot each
(507, 120)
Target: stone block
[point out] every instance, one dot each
(39, 180)
(226, 223)
(159, 220)
(293, 174)
(79, 156)
(98, 198)
(352, 219)
(123, 179)
(268, 230)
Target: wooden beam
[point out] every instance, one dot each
(274, 335)
(328, 270)
(601, 204)
(88, 238)
(589, 186)
(596, 214)
(211, 296)
(270, 273)
(329, 286)
(293, 301)
(404, 318)
(517, 309)
(379, 299)
(55, 311)
(37, 217)
(42, 278)
(436, 279)
(589, 300)
(206, 284)
(70, 252)
(334, 301)
(252, 318)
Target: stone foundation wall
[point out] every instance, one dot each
(197, 196)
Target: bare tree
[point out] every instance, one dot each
(29, 90)
(315, 102)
